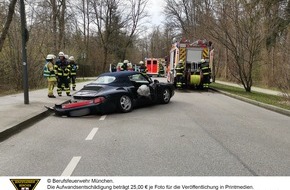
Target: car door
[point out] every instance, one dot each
(138, 80)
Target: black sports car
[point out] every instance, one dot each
(116, 91)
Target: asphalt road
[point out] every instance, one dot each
(196, 134)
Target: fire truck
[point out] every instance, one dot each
(152, 65)
(191, 53)
(155, 66)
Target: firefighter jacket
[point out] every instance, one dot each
(73, 68)
(124, 67)
(205, 69)
(143, 69)
(179, 69)
(63, 68)
(161, 68)
(49, 71)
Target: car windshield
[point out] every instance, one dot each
(105, 79)
(140, 78)
(148, 78)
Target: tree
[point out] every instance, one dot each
(277, 20)
(185, 16)
(108, 22)
(61, 21)
(7, 23)
(237, 28)
(114, 23)
(133, 21)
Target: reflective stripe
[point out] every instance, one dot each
(47, 72)
(205, 53)
(182, 54)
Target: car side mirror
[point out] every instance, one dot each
(156, 81)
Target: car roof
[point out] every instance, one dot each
(120, 73)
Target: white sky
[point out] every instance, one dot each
(155, 8)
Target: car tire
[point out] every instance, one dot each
(165, 96)
(125, 103)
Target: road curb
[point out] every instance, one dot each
(260, 104)
(23, 125)
(26, 120)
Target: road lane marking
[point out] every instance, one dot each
(71, 166)
(103, 117)
(92, 134)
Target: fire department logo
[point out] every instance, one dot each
(25, 184)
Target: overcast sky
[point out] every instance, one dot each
(155, 8)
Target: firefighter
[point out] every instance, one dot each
(142, 68)
(69, 81)
(119, 66)
(179, 73)
(206, 71)
(50, 74)
(113, 68)
(73, 72)
(130, 66)
(63, 71)
(124, 67)
(161, 70)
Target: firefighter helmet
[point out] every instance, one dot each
(71, 58)
(141, 62)
(180, 61)
(66, 56)
(126, 61)
(50, 56)
(61, 54)
(202, 60)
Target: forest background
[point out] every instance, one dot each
(251, 38)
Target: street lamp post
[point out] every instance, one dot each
(24, 34)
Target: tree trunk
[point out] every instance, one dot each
(105, 58)
(62, 26)
(54, 25)
(7, 23)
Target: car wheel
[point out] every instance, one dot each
(166, 95)
(125, 103)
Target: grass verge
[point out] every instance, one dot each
(278, 101)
